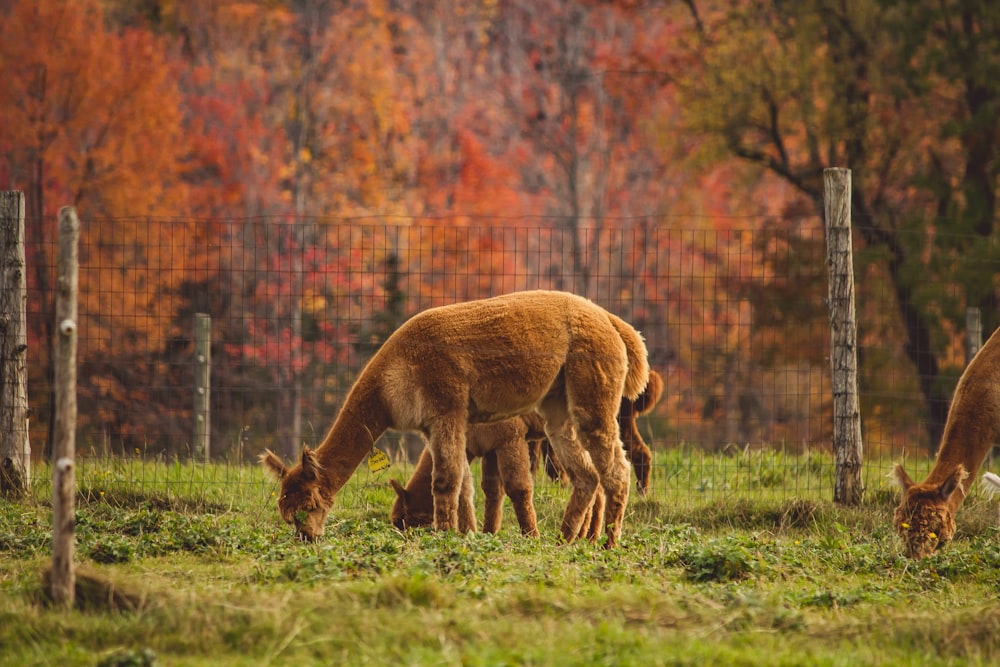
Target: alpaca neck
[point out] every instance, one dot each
(973, 423)
(966, 441)
(362, 419)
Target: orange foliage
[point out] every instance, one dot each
(452, 127)
(97, 117)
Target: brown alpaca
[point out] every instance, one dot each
(481, 361)
(636, 449)
(506, 468)
(925, 517)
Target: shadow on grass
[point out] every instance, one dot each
(95, 593)
(156, 500)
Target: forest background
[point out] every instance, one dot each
(174, 124)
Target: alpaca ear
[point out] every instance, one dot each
(272, 464)
(310, 466)
(899, 476)
(400, 491)
(950, 485)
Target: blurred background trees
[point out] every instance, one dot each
(629, 135)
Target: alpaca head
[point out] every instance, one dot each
(924, 518)
(406, 514)
(301, 503)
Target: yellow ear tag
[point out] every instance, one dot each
(377, 460)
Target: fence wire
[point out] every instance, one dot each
(735, 321)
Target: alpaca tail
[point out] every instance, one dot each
(991, 483)
(650, 396)
(638, 362)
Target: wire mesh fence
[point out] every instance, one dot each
(734, 317)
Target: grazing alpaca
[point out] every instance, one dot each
(636, 449)
(481, 361)
(503, 447)
(925, 517)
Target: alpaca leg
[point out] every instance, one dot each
(599, 433)
(588, 519)
(584, 481)
(593, 518)
(524, 509)
(642, 462)
(518, 480)
(610, 462)
(534, 454)
(447, 443)
(596, 516)
(577, 465)
(493, 487)
(466, 504)
(593, 396)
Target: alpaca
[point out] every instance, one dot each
(506, 467)
(479, 361)
(925, 517)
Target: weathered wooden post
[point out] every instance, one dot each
(64, 442)
(848, 487)
(202, 384)
(15, 450)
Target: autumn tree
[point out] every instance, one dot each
(92, 120)
(556, 95)
(953, 48)
(582, 86)
(797, 87)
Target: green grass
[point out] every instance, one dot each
(779, 578)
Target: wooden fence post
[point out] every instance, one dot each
(848, 487)
(202, 384)
(64, 443)
(15, 450)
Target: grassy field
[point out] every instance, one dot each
(205, 574)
